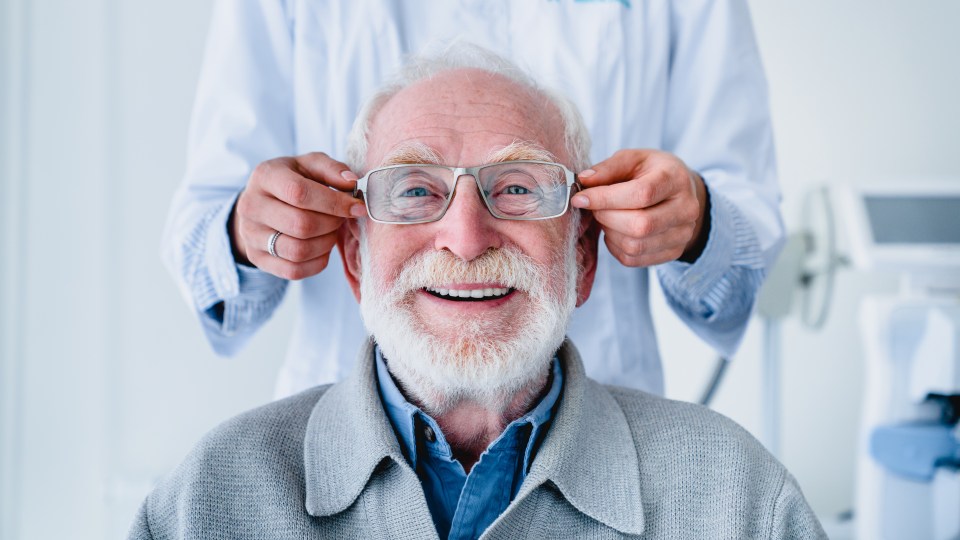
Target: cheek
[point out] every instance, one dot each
(390, 249)
(545, 245)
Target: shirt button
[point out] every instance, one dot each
(428, 434)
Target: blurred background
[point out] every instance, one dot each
(106, 379)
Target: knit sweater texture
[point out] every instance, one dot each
(616, 463)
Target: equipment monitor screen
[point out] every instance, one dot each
(906, 219)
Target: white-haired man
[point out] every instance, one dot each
(468, 414)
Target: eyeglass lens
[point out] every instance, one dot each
(511, 191)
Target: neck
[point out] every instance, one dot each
(470, 426)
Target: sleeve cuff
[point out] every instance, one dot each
(233, 296)
(222, 274)
(703, 284)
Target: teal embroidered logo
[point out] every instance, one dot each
(624, 3)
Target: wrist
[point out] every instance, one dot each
(233, 231)
(701, 231)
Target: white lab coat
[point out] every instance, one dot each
(288, 77)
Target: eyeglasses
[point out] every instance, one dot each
(515, 190)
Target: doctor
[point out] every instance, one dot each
(679, 84)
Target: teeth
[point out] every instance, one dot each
(475, 293)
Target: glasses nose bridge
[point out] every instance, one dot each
(460, 172)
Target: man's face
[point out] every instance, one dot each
(413, 278)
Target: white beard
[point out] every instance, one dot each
(485, 361)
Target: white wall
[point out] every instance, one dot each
(10, 168)
(107, 380)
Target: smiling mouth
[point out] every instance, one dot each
(472, 295)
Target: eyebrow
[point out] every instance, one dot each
(412, 153)
(520, 151)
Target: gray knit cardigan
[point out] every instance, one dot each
(616, 463)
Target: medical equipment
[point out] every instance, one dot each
(908, 485)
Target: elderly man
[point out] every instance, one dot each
(468, 414)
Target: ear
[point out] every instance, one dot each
(348, 242)
(588, 243)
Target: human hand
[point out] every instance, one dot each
(292, 195)
(652, 208)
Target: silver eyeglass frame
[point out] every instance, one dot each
(573, 185)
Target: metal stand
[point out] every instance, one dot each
(770, 417)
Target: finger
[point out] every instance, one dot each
(289, 269)
(326, 170)
(294, 249)
(622, 165)
(657, 179)
(648, 221)
(279, 216)
(647, 258)
(290, 187)
(670, 240)
(642, 192)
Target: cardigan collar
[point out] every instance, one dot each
(588, 454)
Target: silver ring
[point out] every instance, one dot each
(271, 245)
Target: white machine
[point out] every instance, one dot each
(908, 472)
(908, 484)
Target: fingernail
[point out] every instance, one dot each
(349, 176)
(588, 172)
(358, 210)
(580, 201)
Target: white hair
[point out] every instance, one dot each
(464, 55)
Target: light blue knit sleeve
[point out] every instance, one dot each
(232, 300)
(715, 295)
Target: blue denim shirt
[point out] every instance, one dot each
(462, 505)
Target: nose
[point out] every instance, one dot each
(467, 229)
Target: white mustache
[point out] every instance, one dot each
(507, 267)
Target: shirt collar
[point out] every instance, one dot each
(403, 414)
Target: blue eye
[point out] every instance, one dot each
(516, 190)
(416, 192)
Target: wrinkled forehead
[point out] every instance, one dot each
(463, 117)
(415, 152)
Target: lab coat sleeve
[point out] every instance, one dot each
(718, 122)
(242, 116)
